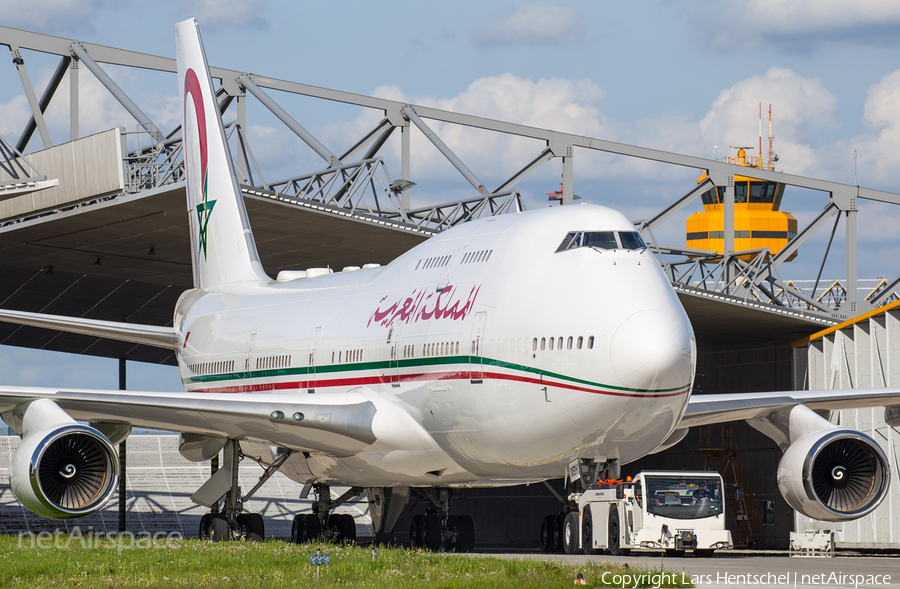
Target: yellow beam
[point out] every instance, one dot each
(820, 334)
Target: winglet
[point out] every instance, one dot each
(222, 247)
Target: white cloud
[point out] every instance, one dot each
(800, 24)
(558, 104)
(44, 15)
(227, 14)
(874, 148)
(531, 24)
(800, 105)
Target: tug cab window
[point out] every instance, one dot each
(602, 240)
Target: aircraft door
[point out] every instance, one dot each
(476, 362)
(311, 386)
(396, 354)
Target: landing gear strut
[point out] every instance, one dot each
(231, 523)
(437, 529)
(322, 524)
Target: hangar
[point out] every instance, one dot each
(91, 228)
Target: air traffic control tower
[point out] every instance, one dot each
(95, 226)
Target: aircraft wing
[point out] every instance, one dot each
(151, 335)
(339, 425)
(709, 409)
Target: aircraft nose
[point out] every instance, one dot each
(653, 351)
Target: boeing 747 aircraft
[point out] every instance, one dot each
(464, 362)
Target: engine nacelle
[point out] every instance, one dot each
(834, 474)
(64, 471)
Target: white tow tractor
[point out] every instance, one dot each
(672, 511)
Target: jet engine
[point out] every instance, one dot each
(834, 474)
(65, 470)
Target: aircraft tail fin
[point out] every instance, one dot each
(222, 247)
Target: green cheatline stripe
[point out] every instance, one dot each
(408, 363)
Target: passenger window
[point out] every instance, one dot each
(534, 345)
(543, 343)
(591, 343)
(559, 344)
(569, 343)
(551, 343)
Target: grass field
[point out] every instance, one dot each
(82, 561)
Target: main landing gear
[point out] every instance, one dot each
(437, 529)
(231, 523)
(322, 524)
(560, 532)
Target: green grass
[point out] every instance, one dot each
(72, 561)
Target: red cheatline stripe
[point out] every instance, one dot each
(454, 375)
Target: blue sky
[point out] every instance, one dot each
(681, 76)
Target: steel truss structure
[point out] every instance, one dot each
(357, 183)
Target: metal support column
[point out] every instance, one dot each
(73, 100)
(404, 164)
(242, 122)
(568, 194)
(123, 487)
(852, 290)
(728, 206)
(32, 99)
(117, 92)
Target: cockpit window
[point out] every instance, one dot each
(631, 240)
(604, 240)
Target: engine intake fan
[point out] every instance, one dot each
(64, 472)
(834, 475)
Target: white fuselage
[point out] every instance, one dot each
(464, 331)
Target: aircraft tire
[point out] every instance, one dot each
(465, 537)
(219, 530)
(252, 526)
(204, 526)
(570, 533)
(547, 533)
(311, 528)
(431, 532)
(297, 529)
(415, 531)
(556, 533)
(348, 529)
